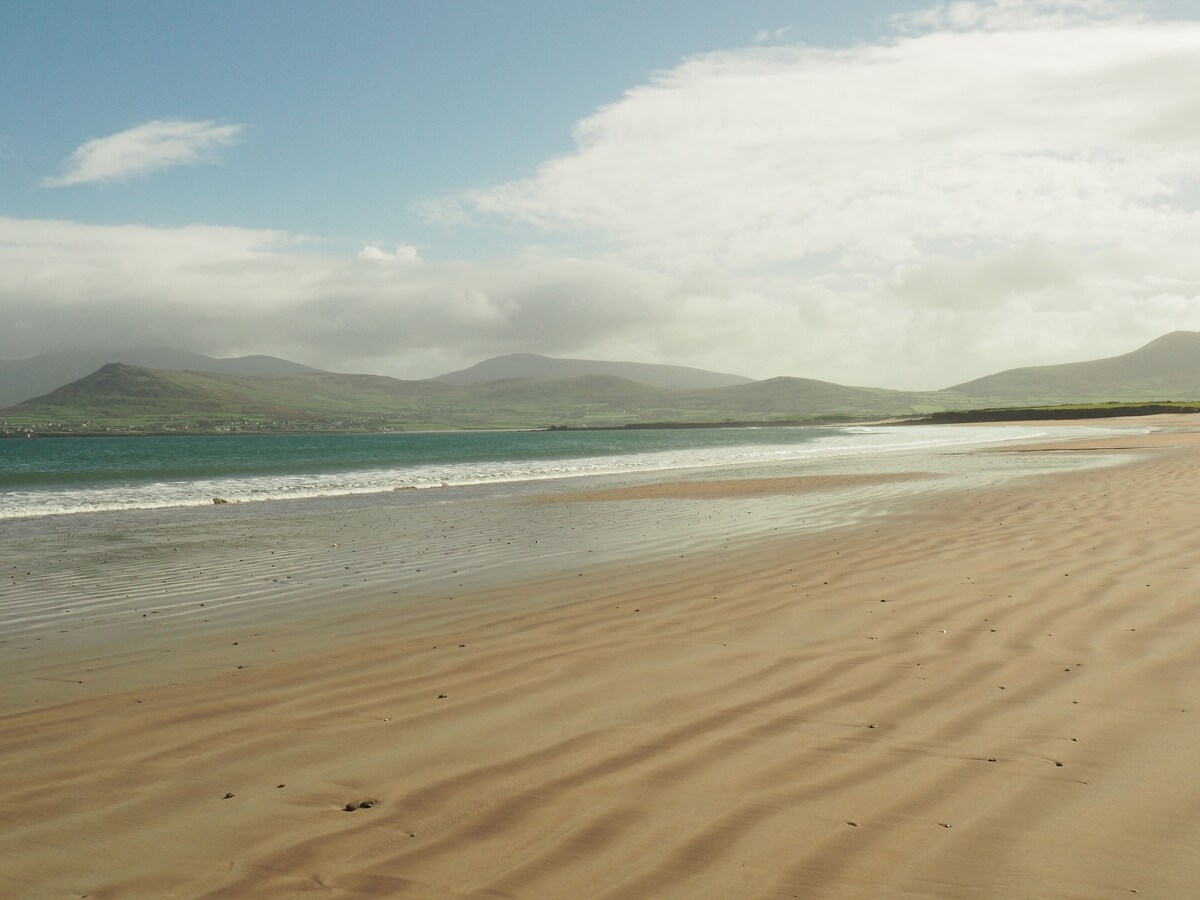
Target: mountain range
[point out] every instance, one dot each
(23, 379)
(525, 390)
(1167, 368)
(544, 368)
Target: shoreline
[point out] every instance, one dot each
(175, 490)
(1096, 410)
(717, 700)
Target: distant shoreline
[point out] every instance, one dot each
(944, 417)
(665, 426)
(1039, 413)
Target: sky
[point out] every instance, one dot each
(885, 193)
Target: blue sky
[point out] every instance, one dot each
(352, 112)
(896, 193)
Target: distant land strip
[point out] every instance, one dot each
(726, 423)
(1034, 413)
(119, 398)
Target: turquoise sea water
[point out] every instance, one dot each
(48, 476)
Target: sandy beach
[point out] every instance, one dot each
(966, 677)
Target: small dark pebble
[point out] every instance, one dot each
(441, 696)
(227, 797)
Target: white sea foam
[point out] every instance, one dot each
(850, 441)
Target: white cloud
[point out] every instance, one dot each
(751, 157)
(233, 291)
(404, 254)
(150, 147)
(1019, 161)
(772, 35)
(969, 15)
(1013, 183)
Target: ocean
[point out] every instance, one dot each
(59, 476)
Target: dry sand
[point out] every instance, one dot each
(984, 693)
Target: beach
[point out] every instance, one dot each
(970, 674)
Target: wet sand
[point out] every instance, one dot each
(970, 679)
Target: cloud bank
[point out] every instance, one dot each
(868, 191)
(232, 291)
(150, 147)
(879, 154)
(967, 15)
(996, 184)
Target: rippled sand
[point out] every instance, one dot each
(926, 684)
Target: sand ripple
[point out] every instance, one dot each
(985, 693)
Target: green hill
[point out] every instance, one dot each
(126, 398)
(783, 398)
(1165, 369)
(542, 368)
(23, 379)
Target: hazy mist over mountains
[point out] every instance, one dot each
(524, 390)
(894, 192)
(23, 379)
(531, 365)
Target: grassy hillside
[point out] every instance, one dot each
(533, 366)
(128, 398)
(1165, 369)
(23, 379)
(803, 397)
(1066, 411)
